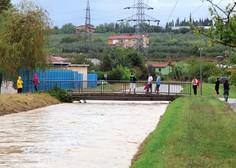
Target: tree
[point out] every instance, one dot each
(223, 30)
(68, 28)
(23, 38)
(4, 5)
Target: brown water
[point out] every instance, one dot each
(91, 135)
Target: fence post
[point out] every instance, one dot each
(168, 88)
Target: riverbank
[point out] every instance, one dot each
(14, 103)
(195, 131)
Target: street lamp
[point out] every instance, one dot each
(200, 70)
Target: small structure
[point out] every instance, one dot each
(162, 68)
(57, 62)
(80, 68)
(83, 28)
(61, 63)
(129, 40)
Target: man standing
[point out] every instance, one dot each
(132, 83)
(158, 83)
(150, 79)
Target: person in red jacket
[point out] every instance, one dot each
(35, 82)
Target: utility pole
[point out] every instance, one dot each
(200, 49)
(88, 26)
(140, 19)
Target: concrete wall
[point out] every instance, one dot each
(7, 88)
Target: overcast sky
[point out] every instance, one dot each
(107, 11)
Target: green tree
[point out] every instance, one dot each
(68, 28)
(224, 29)
(4, 5)
(23, 38)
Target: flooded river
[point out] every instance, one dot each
(92, 135)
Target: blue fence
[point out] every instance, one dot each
(64, 79)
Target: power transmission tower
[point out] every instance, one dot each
(141, 20)
(88, 27)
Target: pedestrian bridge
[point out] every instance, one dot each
(120, 90)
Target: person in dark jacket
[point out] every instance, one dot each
(217, 85)
(226, 90)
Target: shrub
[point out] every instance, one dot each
(211, 79)
(60, 94)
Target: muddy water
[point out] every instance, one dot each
(91, 135)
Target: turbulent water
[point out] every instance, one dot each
(96, 134)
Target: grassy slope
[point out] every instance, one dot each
(13, 103)
(195, 131)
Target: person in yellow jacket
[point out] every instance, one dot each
(19, 84)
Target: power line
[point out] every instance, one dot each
(172, 11)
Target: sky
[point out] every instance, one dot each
(107, 11)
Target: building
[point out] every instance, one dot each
(82, 28)
(61, 63)
(57, 62)
(129, 40)
(162, 68)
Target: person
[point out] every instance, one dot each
(132, 83)
(19, 84)
(158, 83)
(150, 79)
(35, 82)
(195, 83)
(226, 90)
(217, 84)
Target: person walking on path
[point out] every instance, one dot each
(195, 84)
(226, 90)
(150, 79)
(158, 83)
(19, 85)
(217, 85)
(35, 82)
(132, 83)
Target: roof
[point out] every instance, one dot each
(78, 65)
(126, 36)
(57, 60)
(156, 65)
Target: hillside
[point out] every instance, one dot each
(162, 45)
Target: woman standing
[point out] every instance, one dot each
(217, 85)
(36, 82)
(19, 85)
(195, 83)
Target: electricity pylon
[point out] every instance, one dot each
(140, 19)
(88, 26)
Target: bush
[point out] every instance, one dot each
(211, 79)
(60, 95)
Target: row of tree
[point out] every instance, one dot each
(24, 31)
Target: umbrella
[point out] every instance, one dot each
(224, 78)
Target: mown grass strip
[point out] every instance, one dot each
(194, 132)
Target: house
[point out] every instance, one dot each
(61, 63)
(57, 62)
(162, 68)
(88, 28)
(129, 40)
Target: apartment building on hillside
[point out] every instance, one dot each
(129, 40)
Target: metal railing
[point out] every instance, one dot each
(113, 86)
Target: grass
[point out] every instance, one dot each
(195, 131)
(209, 90)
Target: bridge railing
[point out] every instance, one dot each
(115, 86)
